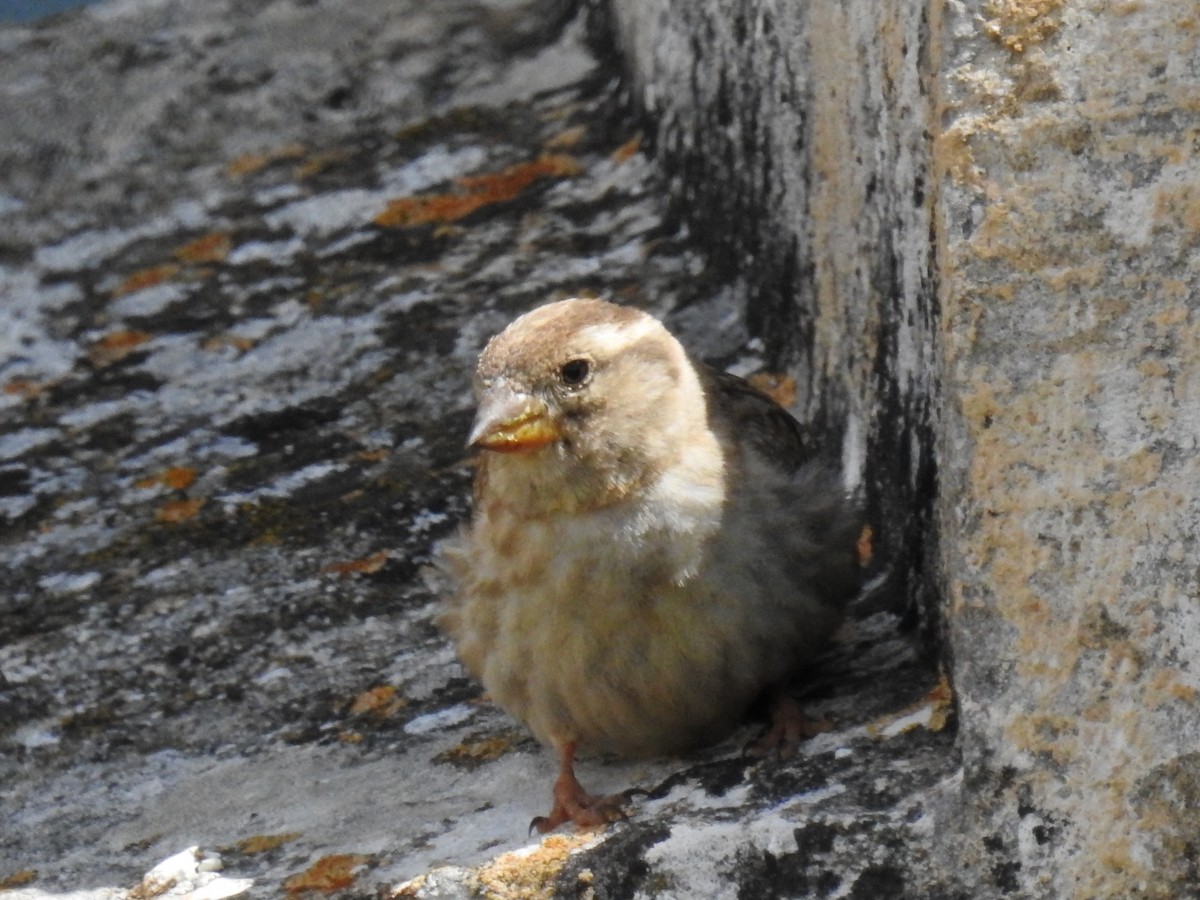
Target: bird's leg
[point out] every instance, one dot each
(790, 726)
(572, 803)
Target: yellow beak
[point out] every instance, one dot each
(509, 421)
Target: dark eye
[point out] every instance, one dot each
(575, 372)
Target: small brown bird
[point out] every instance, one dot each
(649, 551)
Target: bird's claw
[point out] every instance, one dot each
(587, 813)
(584, 810)
(789, 728)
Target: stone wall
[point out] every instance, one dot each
(1068, 225)
(979, 220)
(797, 137)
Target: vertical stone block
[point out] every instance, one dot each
(1069, 181)
(972, 229)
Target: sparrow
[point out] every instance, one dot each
(652, 545)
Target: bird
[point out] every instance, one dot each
(653, 544)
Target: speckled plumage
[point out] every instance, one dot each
(636, 579)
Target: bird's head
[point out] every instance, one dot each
(582, 401)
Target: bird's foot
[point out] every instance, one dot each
(573, 804)
(583, 809)
(789, 728)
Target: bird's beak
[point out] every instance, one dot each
(509, 421)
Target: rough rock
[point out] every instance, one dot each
(248, 254)
(1069, 200)
(796, 138)
(974, 226)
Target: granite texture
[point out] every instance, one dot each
(994, 203)
(1068, 222)
(248, 253)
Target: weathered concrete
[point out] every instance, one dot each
(248, 253)
(1049, 151)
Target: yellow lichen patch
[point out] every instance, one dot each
(1018, 25)
(379, 702)
(1055, 735)
(933, 712)
(145, 278)
(209, 248)
(264, 843)
(1168, 686)
(473, 752)
(478, 191)
(568, 139)
(249, 163)
(530, 874)
(18, 879)
(328, 874)
(1177, 206)
(176, 511)
(953, 156)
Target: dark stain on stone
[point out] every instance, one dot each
(274, 430)
(617, 867)
(879, 883)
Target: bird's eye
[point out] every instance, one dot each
(575, 372)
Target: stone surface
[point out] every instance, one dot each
(1069, 273)
(796, 139)
(1017, 181)
(248, 253)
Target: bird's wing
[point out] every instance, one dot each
(816, 523)
(756, 420)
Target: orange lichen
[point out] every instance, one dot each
(18, 879)
(379, 702)
(177, 478)
(249, 163)
(115, 346)
(471, 753)
(864, 550)
(328, 874)
(318, 163)
(780, 388)
(212, 247)
(145, 278)
(263, 843)
(23, 388)
(628, 149)
(176, 511)
(478, 191)
(365, 566)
